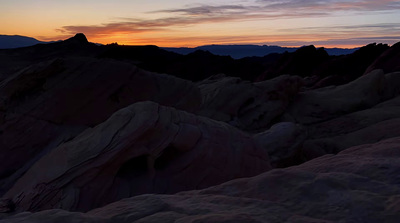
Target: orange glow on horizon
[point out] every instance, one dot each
(288, 23)
(284, 41)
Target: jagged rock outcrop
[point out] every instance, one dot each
(312, 62)
(346, 68)
(49, 103)
(387, 61)
(302, 62)
(246, 105)
(360, 184)
(144, 148)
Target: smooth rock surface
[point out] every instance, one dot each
(323, 104)
(360, 184)
(283, 142)
(362, 127)
(51, 102)
(248, 106)
(144, 148)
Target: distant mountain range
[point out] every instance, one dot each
(235, 51)
(241, 51)
(10, 42)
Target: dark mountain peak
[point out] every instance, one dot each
(311, 51)
(309, 47)
(78, 38)
(302, 62)
(306, 50)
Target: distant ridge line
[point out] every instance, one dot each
(235, 51)
(241, 51)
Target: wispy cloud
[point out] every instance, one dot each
(135, 25)
(372, 29)
(208, 9)
(335, 5)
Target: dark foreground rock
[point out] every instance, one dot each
(360, 184)
(144, 148)
(51, 102)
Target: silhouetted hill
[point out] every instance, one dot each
(309, 61)
(241, 51)
(346, 68)
(200, 64)
(9, 42)
(195, 66)
(15, 59)
(302, 62)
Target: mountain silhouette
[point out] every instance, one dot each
(235, 51)
(241, 51)
(9, 42)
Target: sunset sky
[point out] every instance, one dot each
(341, 23)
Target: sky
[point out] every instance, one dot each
(190, 23)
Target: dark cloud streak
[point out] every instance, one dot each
(133, 25)
(207, 9)
(375, 28)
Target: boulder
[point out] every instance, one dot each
(283, 142)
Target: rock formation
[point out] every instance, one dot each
(327, 103)
(52, 102)
(388, 61)
(246, 105)
(360, 184)
(88, 128)
(144, 148)
(283, 142)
